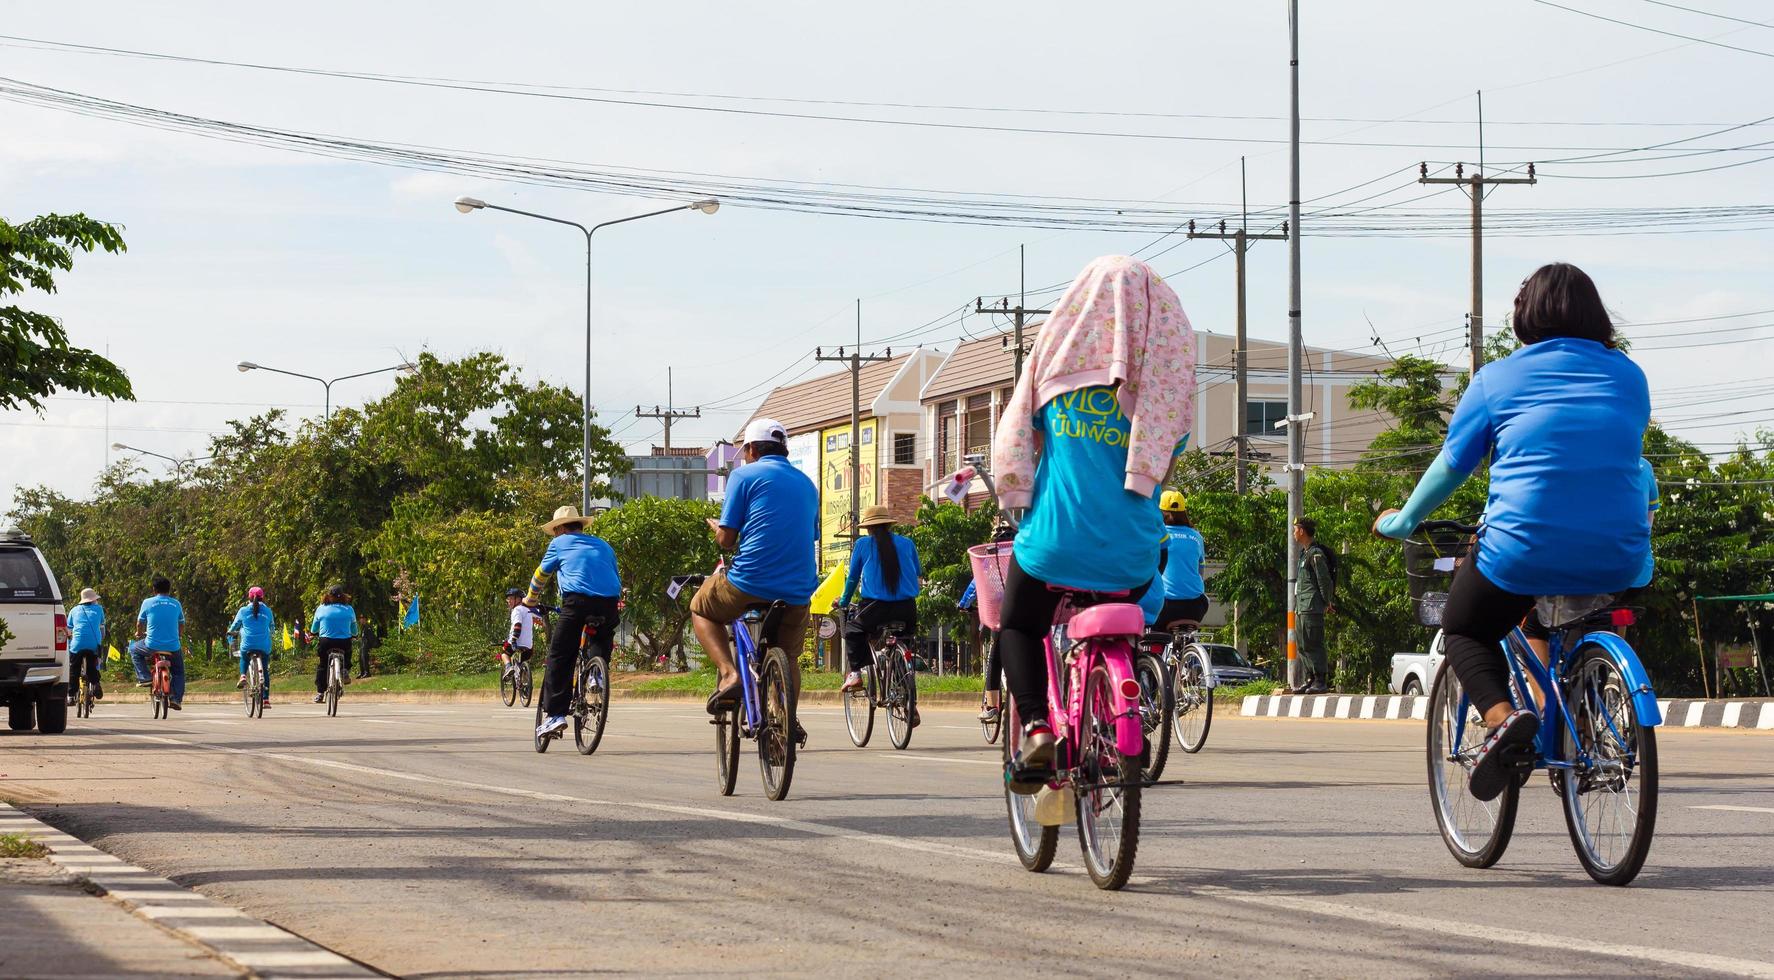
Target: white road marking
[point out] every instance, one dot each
(275, 958)
(942, 758)
(210, 933)
(1735, 809)
(1515, 937)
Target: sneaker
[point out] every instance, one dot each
(240, 685)
(265, 702)
(1035, 757)
(98, 693)
(320, 699)
(1504, 750)
(553, 724)
(988, 713)
(592, 683)
(176, 705)
(852, 682)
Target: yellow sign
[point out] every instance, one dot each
(835, 490)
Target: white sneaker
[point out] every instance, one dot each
(554, 723)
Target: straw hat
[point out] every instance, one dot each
(564, 515)
(874, 516)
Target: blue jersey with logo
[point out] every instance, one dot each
(775, 509)
(1182, 570)
(86, 627)
(1083, 529)
(1563, 421)
(162, 615)
(254, 628)
(334, 621)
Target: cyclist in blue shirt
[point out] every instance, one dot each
(160, 624)
(884, 568)
(584, 567)
(253, 623)
(86, 631)
(1563, 422)
(335, 624)
(1185, 591)
(771, 515)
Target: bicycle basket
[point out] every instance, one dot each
(991, 564)
(1429, 563)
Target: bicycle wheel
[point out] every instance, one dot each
(334, 686)
(1611, 801)
(859, 709)
(1034, 843)
(1156, 713)
(991, 727)
(901, 696)
(1108, 788)
(776, 739)
(1476, 833)
(541, 740)
(508, 686)
(254, 687)
(526, 683)
(82, 707)
(727, 750)
(1192, 700)
(593, 707)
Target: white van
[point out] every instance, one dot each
(34, 659)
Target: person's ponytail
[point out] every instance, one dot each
(887, 553)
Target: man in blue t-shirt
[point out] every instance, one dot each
(86, 630)
(584, 567)
(160, 625)
(771, 515)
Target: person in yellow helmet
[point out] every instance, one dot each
(1185, 591)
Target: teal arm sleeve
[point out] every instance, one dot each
(1436, 486)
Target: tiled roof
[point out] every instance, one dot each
(977, 365)
(825, 400)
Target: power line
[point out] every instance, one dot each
(1654, 30)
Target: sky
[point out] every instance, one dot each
(331, 266)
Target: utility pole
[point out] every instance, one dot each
(1296, 430)
(668, 414)
(1475, 189)
(856, 359)
(1241, 240)
(1017, 313)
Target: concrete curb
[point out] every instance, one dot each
(254, 945)
(1756, 714)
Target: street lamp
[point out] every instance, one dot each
(178, 465)
(245, 366)
(707, 205)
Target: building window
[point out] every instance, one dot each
(978, 425)
(948, 455)
(1260, 418)
(905, 449)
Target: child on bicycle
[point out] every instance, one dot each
(1105, 402)
(1563, 421)
(335, 625)
(522, 639)
(253, 623)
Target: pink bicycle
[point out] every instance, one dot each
(1093, 704)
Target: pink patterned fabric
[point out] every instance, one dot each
(1118, 323)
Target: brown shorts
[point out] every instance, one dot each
(718, 600)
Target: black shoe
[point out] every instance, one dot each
(1505, 750)
(724, 698)
(176, 705)
(800, 735)
(98, 693)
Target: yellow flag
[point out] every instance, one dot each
(829, 591)
(112, 653)
(287, 643)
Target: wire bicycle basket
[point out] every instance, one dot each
(1430, 559)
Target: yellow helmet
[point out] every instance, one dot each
(1172, 502)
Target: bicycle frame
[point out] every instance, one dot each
(744, 654)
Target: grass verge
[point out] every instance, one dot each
(15, 846)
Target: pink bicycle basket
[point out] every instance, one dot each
(991, 564)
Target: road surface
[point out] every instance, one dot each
(430, 840)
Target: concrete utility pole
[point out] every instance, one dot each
(856, 359)
(1475, 189)
(668, 414)
(1017, 313)
(1241, 240)
(1296, 430)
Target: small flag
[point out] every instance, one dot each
(112, 653)
(412, 617)
(288, 644)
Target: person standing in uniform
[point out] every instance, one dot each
(1316, 596)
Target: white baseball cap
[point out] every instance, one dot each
(765, 430)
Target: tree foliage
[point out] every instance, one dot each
(654, 540)
(34, 347)
(942, 534)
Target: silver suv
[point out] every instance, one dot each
(34, 658)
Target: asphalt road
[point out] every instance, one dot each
(431, 841)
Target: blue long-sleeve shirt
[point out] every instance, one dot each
(254, 628)
(583, 563)
(865, 570)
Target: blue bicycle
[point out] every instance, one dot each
(766, 709)
(1598, 716)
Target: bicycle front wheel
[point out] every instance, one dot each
(1192, 701)
(541, 740)
(526, 683)
(1610, 796)
(901, 697)
(776, 736)
(727, 749)
(859, 709)
(508, 686)
(1156, 712)
(1108, 788)
(1476, 833)
(593, 707)
(1034, 843)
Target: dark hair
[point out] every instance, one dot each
(767, 447)
(1560, 300)
(887, 553)
(162, 584)
(335, 593)
(1308, 525)
(256, 605)
(1176, 518)
(573, 527)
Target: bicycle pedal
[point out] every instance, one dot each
(1054, 807)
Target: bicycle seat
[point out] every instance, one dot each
(1107, 619)
(886, 630)
(1155, 639)
(1181, 625)
(771, 615)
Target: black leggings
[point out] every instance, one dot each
(1026, 617)
(1175, 609)
(1478, 615)
(563, 646)
(993, 671)
(325, 647)
(866, 617)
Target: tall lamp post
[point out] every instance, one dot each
(245, 366)
(706, 206)
(178, 465)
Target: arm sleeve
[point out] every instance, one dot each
(857, 560)
(1433, 489)
(234, 624)
(543, 576)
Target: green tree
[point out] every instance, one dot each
(942, 534)
(34, 346)
(1410, 390)
(655, 539)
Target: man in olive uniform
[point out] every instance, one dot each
(1316, 595)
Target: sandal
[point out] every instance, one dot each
(1504, 751)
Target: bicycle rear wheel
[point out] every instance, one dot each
(334, 686)
(901, 695)
(1192, 700)
(1476, 833)
(1156, 712)
(1034, 843)
(1108, 788)
(1611, 802)
(255, 681)
(859, 709)
(82, 702)
(541, 740)
(508, 686)
(776, 738)
(526, 683)
(727, 749)
(593, 707)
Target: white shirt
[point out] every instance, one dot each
(524, 621)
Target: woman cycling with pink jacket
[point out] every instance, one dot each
(1105, 402)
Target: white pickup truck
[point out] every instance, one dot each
(1413, 673)
(34, 657)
